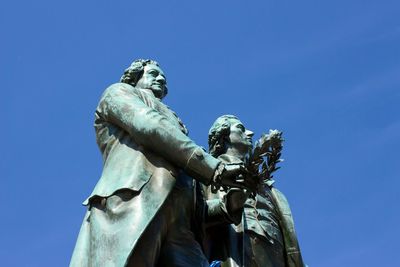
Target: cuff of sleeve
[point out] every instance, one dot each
(201, 166)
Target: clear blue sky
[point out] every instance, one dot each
(326, 73)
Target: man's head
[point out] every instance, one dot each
(146, 74)
(228, 132)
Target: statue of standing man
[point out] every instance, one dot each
(140, 211)
(266, 236)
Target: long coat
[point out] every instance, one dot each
(225, 242)
(144, 147)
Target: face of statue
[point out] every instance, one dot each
(239, 136)
(153, 78)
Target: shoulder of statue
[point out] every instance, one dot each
(123, 86)
(120, 89)
(279, 195)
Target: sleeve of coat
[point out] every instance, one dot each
(121, 105)
(292, 248)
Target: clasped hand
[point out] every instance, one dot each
(237, 176)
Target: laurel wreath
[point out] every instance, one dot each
(264, 157)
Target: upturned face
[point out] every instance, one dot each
(239, 136)
(153, 78)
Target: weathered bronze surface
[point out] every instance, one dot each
(140, 212)
(266, 236)
(146, 209)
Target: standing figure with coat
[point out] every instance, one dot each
(141, 211)
(266, 235)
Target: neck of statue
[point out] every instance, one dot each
(236, 152)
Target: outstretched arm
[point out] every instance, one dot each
(121, 105)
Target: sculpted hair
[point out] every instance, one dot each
(218, 135)
(135, 71)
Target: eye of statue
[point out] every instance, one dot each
(153, 72)
(241, 127)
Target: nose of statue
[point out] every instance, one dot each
(249, 133)
(160, 79)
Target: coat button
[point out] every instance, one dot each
(199, 154)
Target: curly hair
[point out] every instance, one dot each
(135, 71)
(218, 135)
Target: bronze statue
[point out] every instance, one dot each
(266, 236)
(139, 213)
